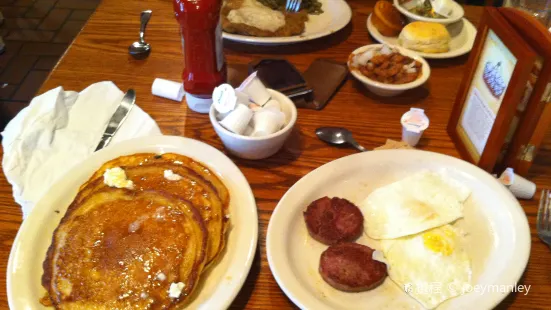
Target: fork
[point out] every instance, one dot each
(293, 6)
(544, 220)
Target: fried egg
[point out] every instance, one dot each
(417, 203)
(431, 267)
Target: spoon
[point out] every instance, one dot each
(338, 136)
(140, 49)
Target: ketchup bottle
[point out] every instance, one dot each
(205, 66)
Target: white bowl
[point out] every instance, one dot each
(457, 14)
(389, 90)
(258, 147)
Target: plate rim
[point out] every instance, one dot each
(158, 141)
(447, 55)
(471, 169)
(292, 39)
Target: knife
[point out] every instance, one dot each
(117, 119)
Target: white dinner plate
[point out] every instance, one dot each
(498, 234)
(462, 33)
(336, 14)
(220, 285)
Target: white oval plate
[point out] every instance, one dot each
(336, 14)
(220, 284)
(462, 33)
(498, 233)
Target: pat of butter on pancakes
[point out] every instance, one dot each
(417, 203)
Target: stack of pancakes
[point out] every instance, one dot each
(140, 247)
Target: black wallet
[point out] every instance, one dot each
(312, 90)
(282, 76)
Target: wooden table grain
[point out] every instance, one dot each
(100, 53)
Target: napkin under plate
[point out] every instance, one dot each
(58, 130)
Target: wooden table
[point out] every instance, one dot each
(100, 53)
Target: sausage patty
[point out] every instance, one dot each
(332, 220)
(350, 267)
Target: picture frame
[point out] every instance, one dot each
(499, 66)
(536, 118)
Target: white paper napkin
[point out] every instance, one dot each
(58, 130)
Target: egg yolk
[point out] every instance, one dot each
(438, 242)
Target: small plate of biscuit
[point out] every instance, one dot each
(429, 39)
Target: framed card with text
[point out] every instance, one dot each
(498, 69)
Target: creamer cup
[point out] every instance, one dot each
(274, 106)
(248, 131)
(272, 103)
(221, 116)
(414, 123)
(280, 115)
(519, 186)
(224, 98)
(168, 89)
(242, 97)
(253, 87)
(238, 119)
(266, 122)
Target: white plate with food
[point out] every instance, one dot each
(445, 228)
(173, 229)
(249, 21)
(461, 39)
